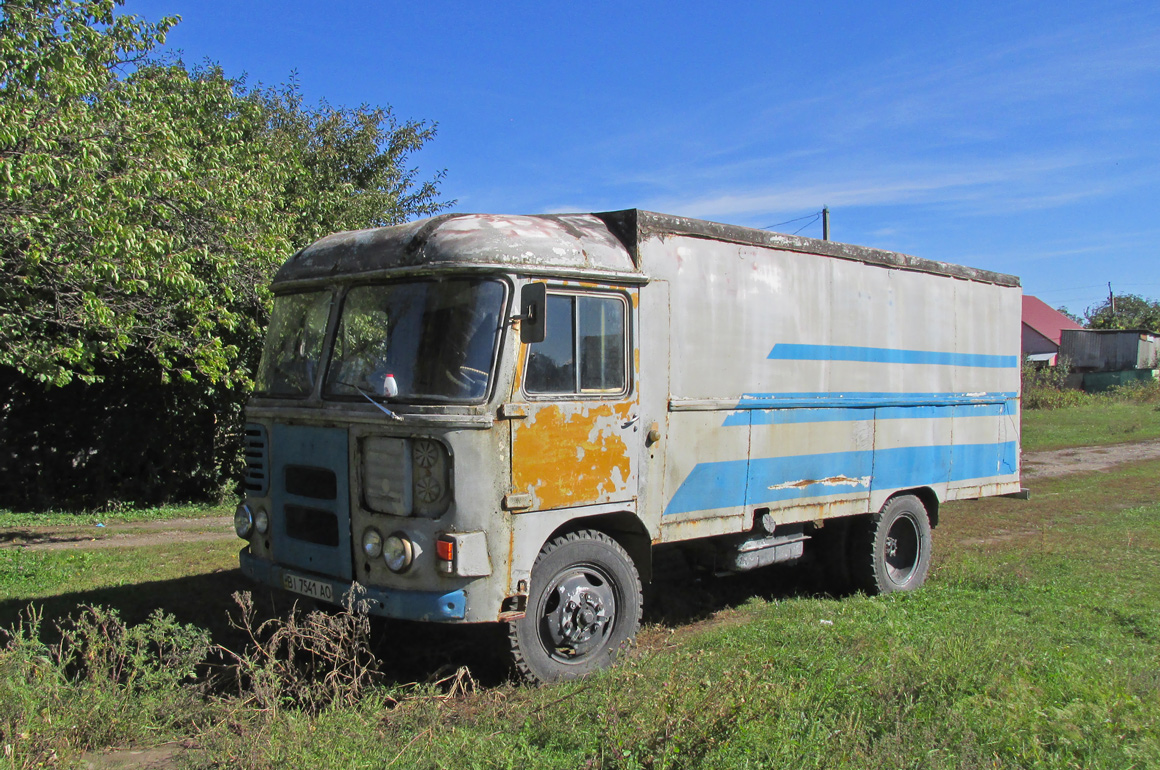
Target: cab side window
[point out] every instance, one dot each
(584, 349)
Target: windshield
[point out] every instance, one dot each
(294, 344)
(415, 341)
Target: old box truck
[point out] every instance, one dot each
(500, 418)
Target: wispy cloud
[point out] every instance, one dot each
(1003, 184)
(989, 127)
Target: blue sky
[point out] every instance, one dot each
(1017, 137)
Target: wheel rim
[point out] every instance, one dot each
(578, 614)
(902, 550)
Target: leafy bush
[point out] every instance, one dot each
(145, 207)
(1137, 392)
(1051, 398)
(1044, 387)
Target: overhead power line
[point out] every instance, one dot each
(822, 215)
(812, 217)
(807, 224)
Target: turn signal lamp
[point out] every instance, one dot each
(445, 555)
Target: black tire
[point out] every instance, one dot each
(584, 608)
(891, 549)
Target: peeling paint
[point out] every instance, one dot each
(573, 453)
(833, 481)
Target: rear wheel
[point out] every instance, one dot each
(891, 549)
(584, 608)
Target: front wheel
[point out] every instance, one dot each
(891, 552)
(584, 607)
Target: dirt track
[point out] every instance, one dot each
(1036, 465)
(1061, 462)
(117, 535)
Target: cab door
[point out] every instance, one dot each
(578, 439)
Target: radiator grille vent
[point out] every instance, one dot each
(312, 525)
(305, 481)
(257, 456)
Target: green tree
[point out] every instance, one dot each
(1131, 312)
(345, 168)
(144, 206)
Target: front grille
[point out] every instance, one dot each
(312, 525)
(306, 481)
(256, 450)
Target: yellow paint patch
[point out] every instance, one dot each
(572, 454)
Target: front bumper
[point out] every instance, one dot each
(390, 603)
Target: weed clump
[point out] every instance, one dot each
(103, 682)
(308, 660)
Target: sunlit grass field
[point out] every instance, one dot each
(1103, 421)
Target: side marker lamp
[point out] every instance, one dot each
(445, 555)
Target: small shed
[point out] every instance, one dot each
(1111, 357)
(1042, 326)
(1110, 350)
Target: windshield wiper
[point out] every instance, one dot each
(382, 408)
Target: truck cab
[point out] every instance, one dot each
(432, 407)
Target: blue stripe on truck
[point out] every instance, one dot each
(787, 408)
(792, 351)
(734, 483)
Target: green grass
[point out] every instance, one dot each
(12, 519)
(28, 574)
(1103, 421)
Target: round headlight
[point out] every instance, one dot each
(398, 552)
(372, 543)
(262, 521)
(243, 521)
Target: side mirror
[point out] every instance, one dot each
(533, 312)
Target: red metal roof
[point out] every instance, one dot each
(1044, 319)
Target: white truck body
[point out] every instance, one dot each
(701, 383)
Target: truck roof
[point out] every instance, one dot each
(600, 245)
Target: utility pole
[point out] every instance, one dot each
(1112, 300)
(826, 224)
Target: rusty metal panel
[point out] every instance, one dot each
(652, 362)
(798, 455)
(575, 453)
(706, 472)
(551, 244)
(579, 446)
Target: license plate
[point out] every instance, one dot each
(315, 589)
